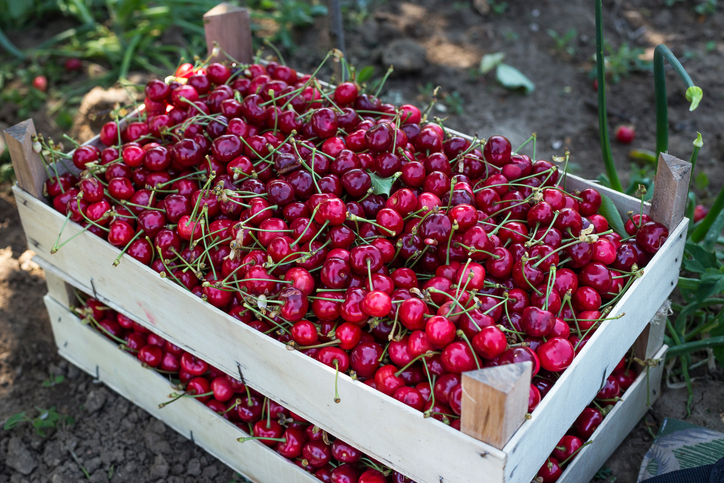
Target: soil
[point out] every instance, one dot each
(113, 440)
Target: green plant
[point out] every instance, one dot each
(564, 42)
(46, 418)
(286, 15)
(497, 7)
(53, 380)
(707, 7)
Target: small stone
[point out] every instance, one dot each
(159, 468)
(20, 458)
(95, 400)
(194, 467)
(405, 55)
(557, 144)
(52, 455)
(73, 372)
(92, 464)
(210, 472)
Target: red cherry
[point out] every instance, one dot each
(625, 134)
(556, 354)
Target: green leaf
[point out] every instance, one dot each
(365, 74)
(700, 260)
(613, 217)
(14, 421)
(512, 78)
(714, 230)
(701, 182)
(490, 62)
(719, 350)
(694, 95)
(381, 186)
(712, 281)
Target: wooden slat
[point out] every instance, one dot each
(582, 380)
(617, 425)
(229, 27)
(120, 371)
(28, 165)
(495, 401)
(671, 189)
(58, 288)
(652, 338)
(424, 449)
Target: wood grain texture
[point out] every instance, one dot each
(619, 423)
(296, 381)
(58, 288)
(229, 27)
(495, 401)
(652, 338)
(582, 380)
(671, 188)
(120, 371)
(28, 165)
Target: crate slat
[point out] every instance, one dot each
(582, 380)
(617, 425)
(102, 359)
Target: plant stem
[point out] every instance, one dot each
(662, 115)
(602, 113)
(687, 347)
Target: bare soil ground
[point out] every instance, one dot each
(114, 441)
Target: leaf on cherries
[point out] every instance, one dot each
(381, 186)
(613, 217)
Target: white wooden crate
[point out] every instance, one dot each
(101, 358)
(424, 449)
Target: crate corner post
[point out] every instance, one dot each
(27, 164)
(671, 186)
(229, 27)
(495, 402)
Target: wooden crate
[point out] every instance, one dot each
(99, 357)
(400, 437)
(424, 449)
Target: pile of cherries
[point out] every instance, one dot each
(329, 459)
(355, 231)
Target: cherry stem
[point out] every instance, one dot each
(420, 356)
(336, 376)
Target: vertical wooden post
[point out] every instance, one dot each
(652, 338)
(671, 188)
(668, 206)
(62, 292)
(229, 26)
(28, 165)
(495, 401)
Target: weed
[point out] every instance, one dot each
(564, 42)
(53, 381)
(46, 418)
(707, 7)
(622, 62)
(497, 7)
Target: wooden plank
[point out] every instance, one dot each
(424, 449)
(582, 380)
(58, 288)
(495, 401)
(120, 371)
(671, 189)
(230, 28)
(617, 425)
(28, 165)
(652, 338)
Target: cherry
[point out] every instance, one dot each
(651, 236)
(556, 354)
(550, 471)
(387, 381)
(635, 222)
(587, 423)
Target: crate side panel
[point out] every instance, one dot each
(100, 357)
(582, 380)
(422, 448)
(617, 425)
